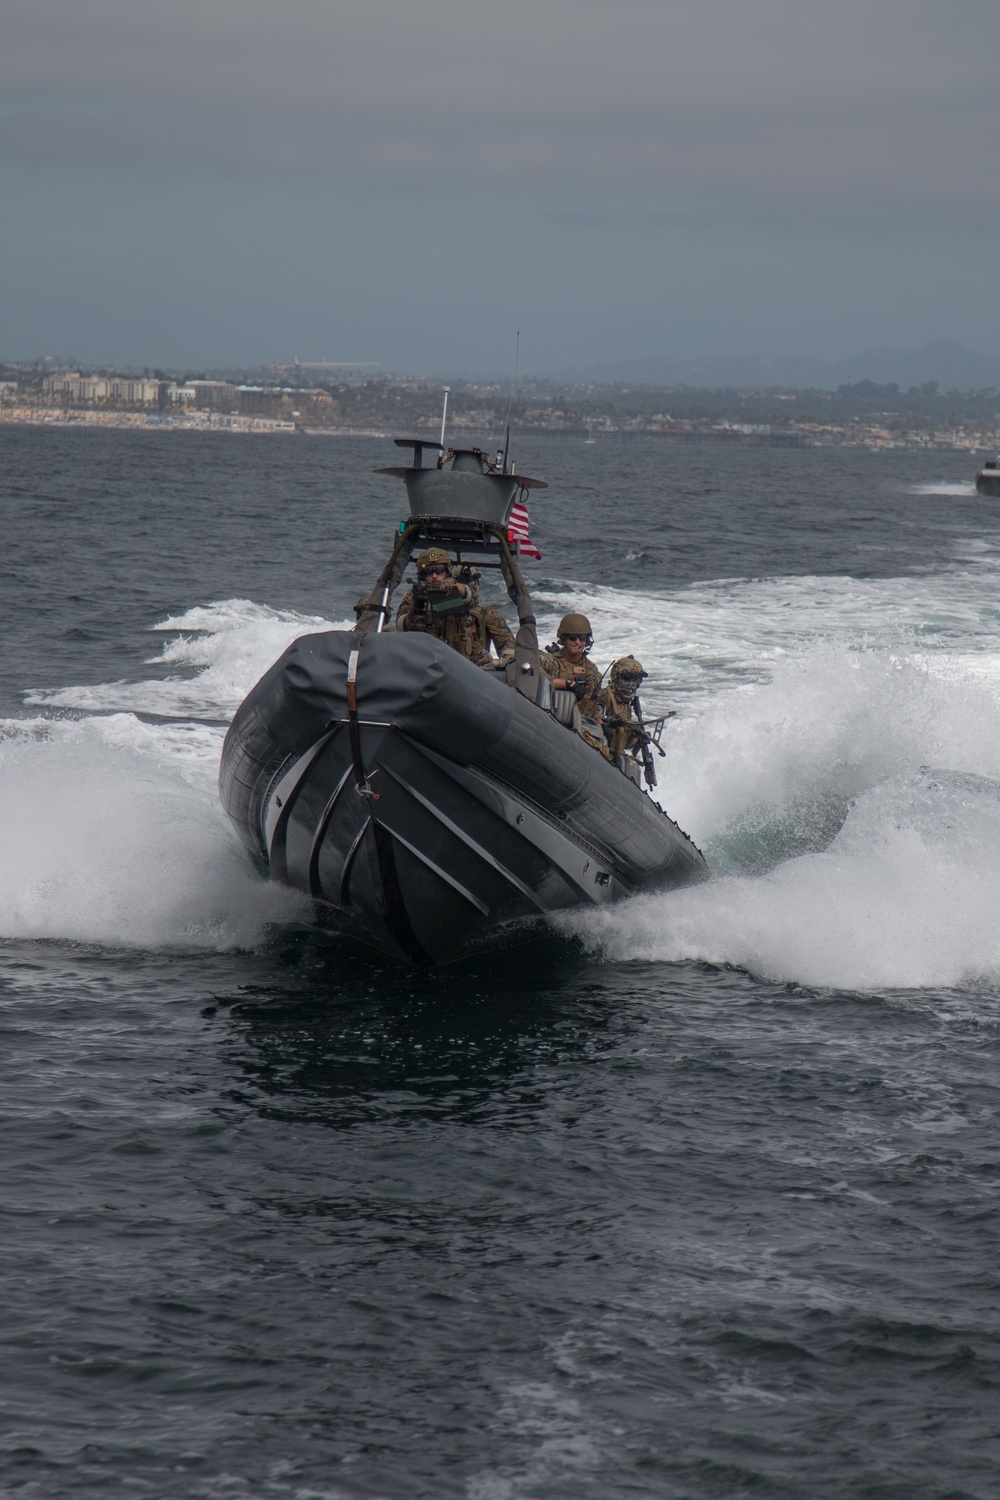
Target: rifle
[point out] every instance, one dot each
(437, 601)
(649, 732)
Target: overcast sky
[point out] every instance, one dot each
(209, 182)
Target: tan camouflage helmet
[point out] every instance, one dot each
(574, 624)
(432, 555)
(627, 666)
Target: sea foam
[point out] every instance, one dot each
(809, 710)
(905, 896)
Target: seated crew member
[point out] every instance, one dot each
(486, 627)
(616, 701)
(566, 665)
(438, 603)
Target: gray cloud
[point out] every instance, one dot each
(229, 180)
(864, 111)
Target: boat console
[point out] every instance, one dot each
(456, 499)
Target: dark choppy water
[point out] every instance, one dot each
(701, 1201)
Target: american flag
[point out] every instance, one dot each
(517, 531)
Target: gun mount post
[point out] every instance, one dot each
(526, 664)
(373, 614)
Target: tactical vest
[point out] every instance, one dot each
(448, 626)
(555, 664)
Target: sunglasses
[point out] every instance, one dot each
(583, 638)
(435, 569)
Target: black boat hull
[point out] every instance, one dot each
(451, 817)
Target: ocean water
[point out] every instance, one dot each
(699, 1199)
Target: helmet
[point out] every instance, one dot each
(432, 555)
(574, 625)
(625, 677)
(627, 666)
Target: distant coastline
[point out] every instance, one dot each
(190, 421)
(702, 434)
(864, 414)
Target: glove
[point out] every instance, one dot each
(579, 687)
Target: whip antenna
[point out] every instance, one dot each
(444, 412)
(510, 403)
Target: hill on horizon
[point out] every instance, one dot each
(953, 366)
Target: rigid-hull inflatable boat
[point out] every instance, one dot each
(433, 809)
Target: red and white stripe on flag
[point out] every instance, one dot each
(517, 531)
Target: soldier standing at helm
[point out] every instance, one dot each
(566, 665)
(616, 702)
(446, 607)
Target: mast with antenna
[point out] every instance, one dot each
(444, 412)
(510, 403)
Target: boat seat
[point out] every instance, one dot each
(566, 709)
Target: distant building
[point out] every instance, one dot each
(93, 390)
(79, 389)
(214, 393)
(134, 392)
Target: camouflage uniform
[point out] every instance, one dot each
(617, 701)
(491, 629)
(620, 738)
(446, 625)
(555, 664)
